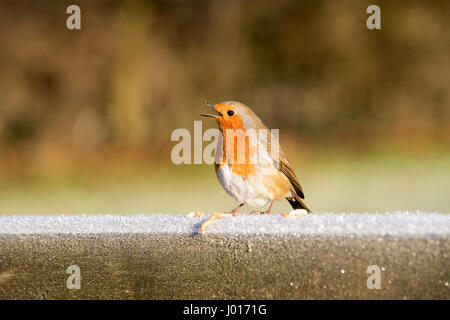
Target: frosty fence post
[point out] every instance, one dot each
(321, 256)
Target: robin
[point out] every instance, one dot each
(249, 162)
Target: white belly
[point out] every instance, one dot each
(259, 188)
(250, 191)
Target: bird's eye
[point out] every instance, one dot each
(230, 112)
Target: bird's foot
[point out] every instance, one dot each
(215, 216)
(259, 212)
(295, 214)
(195, 214)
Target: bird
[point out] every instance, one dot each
(249, 163)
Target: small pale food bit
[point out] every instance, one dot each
(295, 214)
(194, 214)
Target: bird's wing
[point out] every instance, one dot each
(284, 166)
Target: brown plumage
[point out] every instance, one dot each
(297, 200)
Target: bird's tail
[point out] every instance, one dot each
(297, 203)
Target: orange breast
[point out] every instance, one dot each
(240, 164)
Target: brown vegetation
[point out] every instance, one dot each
(139, 69)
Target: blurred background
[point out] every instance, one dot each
(86, 115)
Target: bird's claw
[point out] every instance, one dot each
(259, 212)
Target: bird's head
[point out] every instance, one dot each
(233, 115)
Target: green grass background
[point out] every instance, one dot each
(333, 182)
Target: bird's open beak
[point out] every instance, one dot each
(211, 115)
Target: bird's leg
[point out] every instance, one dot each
(270, 207)
(235, 210)
(218, 215)
(264, 212)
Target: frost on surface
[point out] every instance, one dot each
(398, 223)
